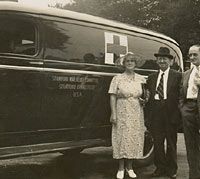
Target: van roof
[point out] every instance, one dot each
(14, 6)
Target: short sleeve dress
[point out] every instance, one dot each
(128, 133)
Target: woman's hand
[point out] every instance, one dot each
(145, 97)
(142, 102)
(113, 119)
(147, 94)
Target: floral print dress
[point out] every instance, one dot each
(128, 133)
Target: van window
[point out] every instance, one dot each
(74, 43)
(17, 36)
(82, 44)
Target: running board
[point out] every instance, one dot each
(37, 149)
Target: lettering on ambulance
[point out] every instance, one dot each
(75, 83)
(115, 44)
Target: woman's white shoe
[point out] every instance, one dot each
(120, 174)
(131, 173)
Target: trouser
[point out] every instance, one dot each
(163, 130)
(192, 137)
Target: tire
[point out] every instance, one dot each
(147, 159)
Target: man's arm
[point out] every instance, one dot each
(181, 92)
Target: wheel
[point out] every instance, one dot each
(148, 152)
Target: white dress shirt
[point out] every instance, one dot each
(165, 78)
(191, 94)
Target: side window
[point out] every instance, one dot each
(74, 43)
(77, 43)
(145, 48)
(17, 36)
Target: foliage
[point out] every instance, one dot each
(179, 19)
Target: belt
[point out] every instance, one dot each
(191, 100)
(160, 100)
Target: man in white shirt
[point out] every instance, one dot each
(163, 113)
(190, 107)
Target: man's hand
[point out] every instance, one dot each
(197, 81)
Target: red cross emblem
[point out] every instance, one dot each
(116, 45)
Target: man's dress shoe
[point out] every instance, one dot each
(158, 173)
(172, 176)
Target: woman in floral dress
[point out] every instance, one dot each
(127, 116)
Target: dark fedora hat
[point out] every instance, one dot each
(163, 52)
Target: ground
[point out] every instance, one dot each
(93, 163)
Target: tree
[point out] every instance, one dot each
(179, 19)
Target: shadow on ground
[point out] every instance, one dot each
(59, 167)
(94, 163)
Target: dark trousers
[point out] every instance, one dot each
(163, 129)
(192, 137)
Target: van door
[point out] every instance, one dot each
(21, 67)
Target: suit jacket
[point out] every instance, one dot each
(183, 92)
(184, 86)
(173, 93)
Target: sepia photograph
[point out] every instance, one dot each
(99, 89)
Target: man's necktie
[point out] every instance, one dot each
(159, 89)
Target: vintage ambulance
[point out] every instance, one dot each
(55, 70)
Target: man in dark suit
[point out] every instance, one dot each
(164, 115)
(190, 108)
